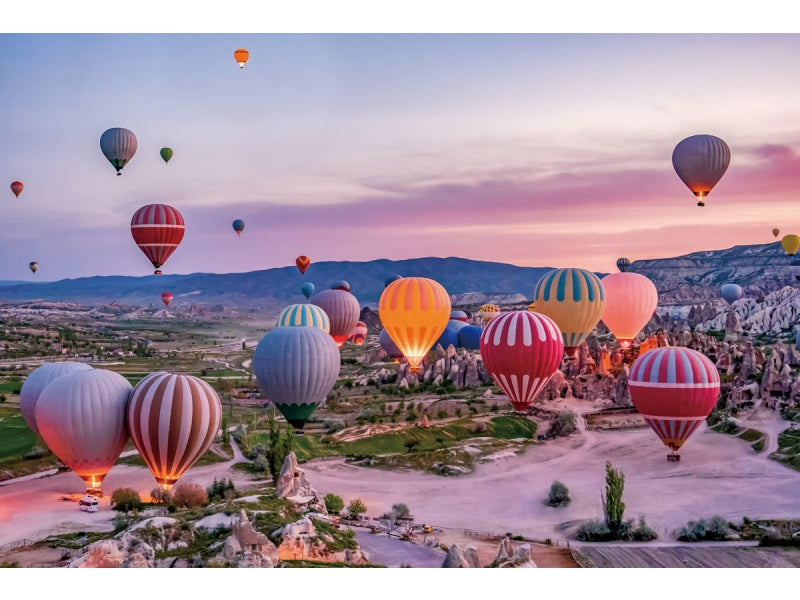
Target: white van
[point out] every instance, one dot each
(89, 503)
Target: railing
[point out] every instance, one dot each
(15, 544)
(499, 536)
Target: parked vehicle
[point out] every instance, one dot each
(89, 503)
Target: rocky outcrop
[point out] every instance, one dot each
(248, 548)
(461, 559)
(125, 551)
(301, 541)
(293, 485)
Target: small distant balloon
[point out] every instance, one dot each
(390, 279)
(238, 227)
(34, 266)
(307, 288)
(166, 154)
(731, 292)
(302, 263)
(241, 55)
(623, 264)
(166, 298)
(16, 187)
(341, 285)
(701, 161)
(118, 145)
(776, 232)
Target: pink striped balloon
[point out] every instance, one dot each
(521, 350)
(173, 419)
(674, 389)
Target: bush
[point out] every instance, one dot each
(563, 425)
(259, 464)
(594, 531)
(126, 500)
(189, 495)
(356, 508)
(716, 529)
(334, 504)
(559, 495)
(441, 414)
(36, 452)
(480, 427)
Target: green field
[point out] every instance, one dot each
(16, 438)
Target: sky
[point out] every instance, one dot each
(535, 149)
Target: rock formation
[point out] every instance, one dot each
(248, 548)
(461, 559)
(293, 485)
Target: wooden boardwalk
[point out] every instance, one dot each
(690, 556)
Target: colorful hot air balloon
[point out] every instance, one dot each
(574, 299)
(731, 292)
(157, 229)
(34, 383)
(469, 337)
(459, 315)
(388, 345)
(241, 55)
(456, 324)
(16, 187)
(341, 285)
(532, 307)
(307, 288)
(296, 368)
(776, 232)
(790, 243)
(521, 350)
(623, 264)
(674, 389)
(701, 161)
(166, 298)
(238, 227)
(33, 266)
(449, 337)
(173, 419)
(489, 311)
(359, 334)
(302, 263)
(414, 311)
(81, 416)
(298, 315)
(631, 300)
(342, 309)
(118, 145)
(166, 154)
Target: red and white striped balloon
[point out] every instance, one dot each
(521, 351)
(674, 389)
(173, 419)
(158, 230)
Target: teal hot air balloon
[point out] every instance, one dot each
(166, 154)
(307, 288)
(296, 367)
(238, 227)
(299, 315)
(731, 292)
(623, 264)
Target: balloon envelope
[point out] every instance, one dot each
(415, 311)
(623, 264)
(459, 315)
(341, 285)
(701, 161)
(521, 350)
(296, 367)
(238, 226)
(469, 337)
(456, 324)
(674, 389)
(489, 311)
(790, 243)
(34, 383)
(359, 333)
(302, 263)
(82, 418)
(33, 266)
(631, 300)
(299, 315)
(118, 145)
(388, 345)
(307, 288)
(343, 311)
(731, 292)
(390, 279)
(449, 337)
(240, 55)
(166, 298)
(158, 230)
(166, 154)
(16, 187)
(776, 232)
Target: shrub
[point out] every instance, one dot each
(356, 508)
(334, 504)
(563, 424)
(441, 414)
(716, 529)
(189, 495)
(559, 495)
(126, 500)
(36, 452)
(480, 427)
(594, 531)
(259, 464)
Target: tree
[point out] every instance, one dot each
(400, 511)
(334, 504)
(160, 496)
(244, 346)
(559, 495)
(613, 506)
(279, 443)
(563, 424)
(356, 508)
(189, 495)
(126, 500)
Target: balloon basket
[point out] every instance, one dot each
(674, 457)
(94, 492)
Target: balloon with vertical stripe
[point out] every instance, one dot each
(342, 309)
(359, 333)
(82, 417)
(701, 161)
(623, 264)
(34, 383)
(674, 389)
(521, 350)
(489, 311)
(296, 315)
(157, 229)
(173, 418)
(414, 311)
(574, 299)
(631, 300)
(118, 146)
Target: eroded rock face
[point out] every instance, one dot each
(248, 548)
(301, 541)
(126, 551)
(461, 559)
(292, 483)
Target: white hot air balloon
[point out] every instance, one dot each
(39, 378)
(118, 145)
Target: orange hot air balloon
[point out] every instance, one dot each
(302, 263)
(241, 55)
(414, 311)
(631, 299)
(16, 187)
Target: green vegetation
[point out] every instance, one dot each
(716, 529)
(333, 504)
(356, 508)
(559, 495)
(126, 500)
(788, 451)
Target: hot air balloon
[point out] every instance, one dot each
(489, 311)
(359, 333)
(16, 187)
(157, 229)
(521, 350)
(623, 264)
(34, 383)
(449, 337)
(341, 285)
(166, 298)
(390, 279)
(674, 389)
(238, 227)
(459, 315)
(302, 263)
(241, 55)
(731, 292)
(532, 307)
(166, 154)
(296, 368)
(173, 419)
(790, 243)
(118, 145)
(469, 337)
(631, 300)
(297, 315)
(307, 288)
(701, 161)
(415, 311)
(776, 232)
(456, 324)
(342, 309)
(388, 345)
(33, 266)
(794, 268)
(574, 299)
(81, 416)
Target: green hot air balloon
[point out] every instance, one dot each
(166, 154)
(296, 367)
